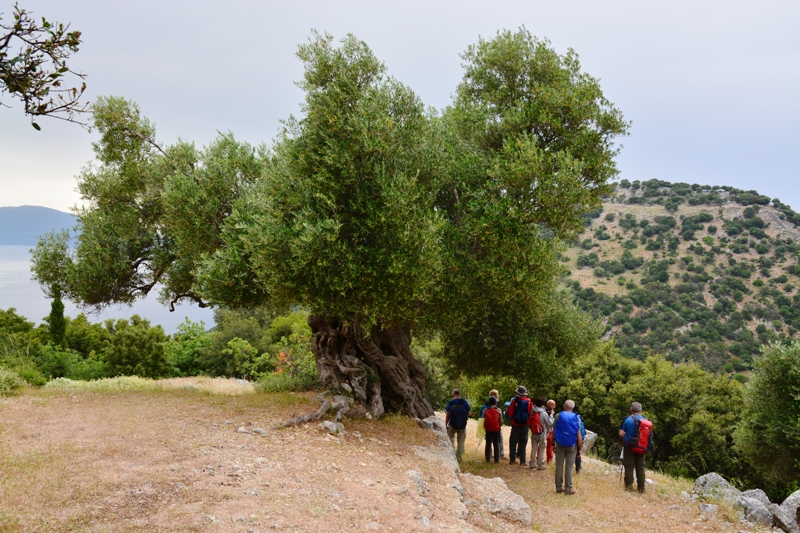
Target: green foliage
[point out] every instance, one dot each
(768, 435)
(57, 324)
(185, 348)
(693, 411)
(438, 384)
(34, 70)
(10, 382)
(136, 349)
(292, 364)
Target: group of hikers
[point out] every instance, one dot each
(554, 435)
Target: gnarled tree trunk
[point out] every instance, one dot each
(378, 368)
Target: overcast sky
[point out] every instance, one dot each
(712, 88)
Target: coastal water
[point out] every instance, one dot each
(19, 291)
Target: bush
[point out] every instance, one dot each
(768, 435)
(10, 382)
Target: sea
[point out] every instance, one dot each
(19, 291)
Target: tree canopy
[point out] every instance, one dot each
(378, 215)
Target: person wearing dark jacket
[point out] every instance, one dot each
(518, 441)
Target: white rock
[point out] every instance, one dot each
(497, 499)
(716, 486)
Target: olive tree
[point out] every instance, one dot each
(378, 215)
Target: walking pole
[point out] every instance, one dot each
(476, 448)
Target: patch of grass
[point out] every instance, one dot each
(122, 383)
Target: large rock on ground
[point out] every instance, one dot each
(588, 442)
(716, 486)
(442, 453)
(787, 515)
(494, 496)
(755, 511)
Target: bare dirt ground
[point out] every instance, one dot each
(174, 460)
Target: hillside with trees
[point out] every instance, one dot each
(693, 272)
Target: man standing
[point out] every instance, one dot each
(551, 412)
(457, 413)
(635, 431)
(539, 433)
(567, 437)
(496, 395)
(519, 411)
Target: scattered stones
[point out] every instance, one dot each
(243, 430)
(716, 486)
(260, 431)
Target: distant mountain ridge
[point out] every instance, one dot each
(699, 273)
(22, 225)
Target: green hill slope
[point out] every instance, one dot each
(694, 272)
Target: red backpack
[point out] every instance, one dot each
(491, 419)
(640, 442)
(535, 422)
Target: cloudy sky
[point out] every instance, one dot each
(711, 87)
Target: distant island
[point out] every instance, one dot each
(21, 225)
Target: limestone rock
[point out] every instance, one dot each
(243, 430)
(497, 499)
(334, 428)
(716, 486)
(588, 442)
(755, 511)
(434, 423)
(757, 494)
(787, 516)
(709, 508)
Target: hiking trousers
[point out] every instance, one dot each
(538, 449)
(492, 440)
(565, 464)
(549, 446)
(517, 443)
(461, 435)
(633, 461)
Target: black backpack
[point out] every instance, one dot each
(458, 416)
(521, 410)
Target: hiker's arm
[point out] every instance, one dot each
(580, 441)
(621, 432)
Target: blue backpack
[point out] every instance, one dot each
(567, 428)
(521, 410)
(458, 416)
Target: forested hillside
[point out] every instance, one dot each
(693, 272)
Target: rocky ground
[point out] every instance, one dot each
(188, 459)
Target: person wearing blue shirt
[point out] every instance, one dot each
(494, 393)
(457, 413)
(568, 440)
(631, 461)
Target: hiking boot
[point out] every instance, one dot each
(570, 492)
(559, 491)
(522, 464)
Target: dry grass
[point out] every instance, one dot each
(171, 459)
(601, 503)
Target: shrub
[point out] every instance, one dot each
(10, 382)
